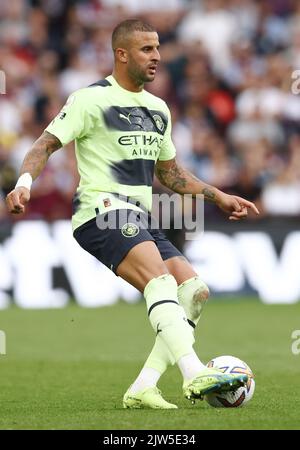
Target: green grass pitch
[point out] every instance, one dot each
(69, 368)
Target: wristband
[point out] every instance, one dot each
(25, 180)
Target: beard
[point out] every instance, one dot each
(138, 74)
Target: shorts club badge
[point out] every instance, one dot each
(130, 230)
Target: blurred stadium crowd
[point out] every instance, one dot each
(226, 73)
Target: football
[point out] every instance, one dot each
(231, 364)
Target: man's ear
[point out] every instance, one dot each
(121, 55)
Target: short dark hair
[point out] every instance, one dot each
(125, 28)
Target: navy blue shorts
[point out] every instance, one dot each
(110, 244)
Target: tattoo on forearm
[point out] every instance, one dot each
(182, 181)
(208, 194)
(37, 157)
(174, 177)
(179, 179)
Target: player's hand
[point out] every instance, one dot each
(17, 199)
(236, 207)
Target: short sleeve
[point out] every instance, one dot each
(73, 121)
(167, 149)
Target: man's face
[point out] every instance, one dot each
(143, 56)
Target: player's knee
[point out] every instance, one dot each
(201, 293)
(193, 295)
(194, 289)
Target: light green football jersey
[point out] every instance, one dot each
(119, 135)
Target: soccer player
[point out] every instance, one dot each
(123, 135)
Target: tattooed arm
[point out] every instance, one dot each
(36, 159)
(180, 180)
(34, 162)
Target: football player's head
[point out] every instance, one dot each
(136, 47)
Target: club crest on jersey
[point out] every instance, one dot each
(158, 122)
(130, 230)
